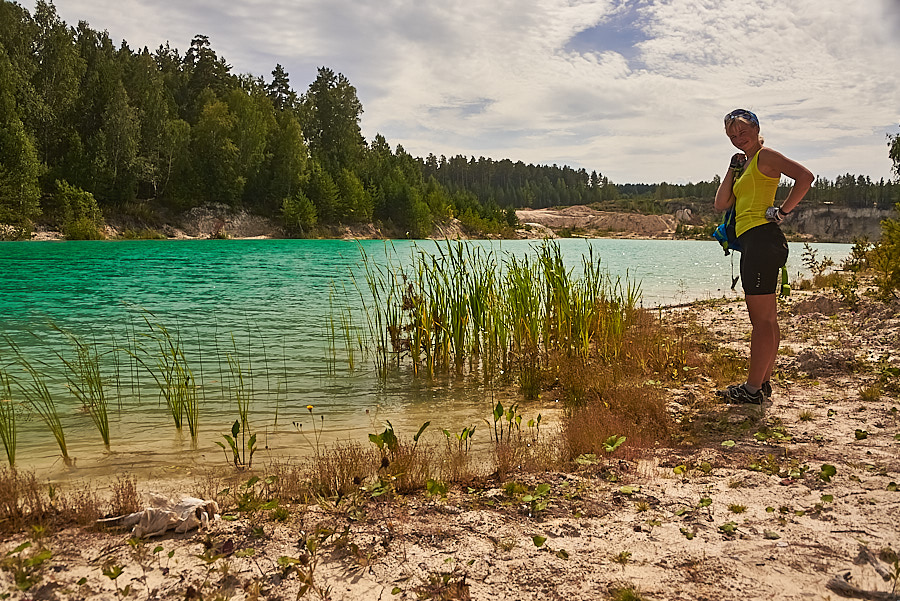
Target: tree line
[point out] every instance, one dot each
(90, 129)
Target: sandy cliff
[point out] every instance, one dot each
(589, 222)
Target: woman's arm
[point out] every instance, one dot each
(725, 193)
(775, 164)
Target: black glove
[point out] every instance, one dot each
(738, 160)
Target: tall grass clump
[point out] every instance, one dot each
(34, 389)
(8, 431)
(85, 381)
(166, 362)
(383, 311)
(464, 309)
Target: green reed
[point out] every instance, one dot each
(340, 330)
(347, 334)
(463, 305)
(331, 335)
(8, 411)
(240, 387)
(190, 400)
(85, 380)
(117, 378)
(241, 391)
(557, 301)
(383, 311)
(482, 285)
(40, 400)
(172, 373)
(134, 367)
(283, 389)
(267, 374)
(522, 300)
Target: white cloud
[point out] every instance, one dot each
(503, 79)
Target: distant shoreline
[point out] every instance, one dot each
(813, 224)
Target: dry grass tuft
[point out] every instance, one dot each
(22, 501)
(508, 456)
(337, 472)
(636, 412)
(79, 505)
(456, 466)
(125, 497)
(412, 466)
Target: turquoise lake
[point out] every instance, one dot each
(266, 302)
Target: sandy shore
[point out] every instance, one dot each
(752, 513)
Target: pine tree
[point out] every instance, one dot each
(19, 165)
(331, 113)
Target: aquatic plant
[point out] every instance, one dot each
(134, 366)
(85, 381)
(241, 441)
(513, 419)
(8, 431)
(466, 306)
(240, 388)
(173, 375)
(463, 439)
(283, 392)
(37, 395)
(241, 454)
(267, 374)
(382, 309)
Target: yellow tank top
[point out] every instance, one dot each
(754, 192)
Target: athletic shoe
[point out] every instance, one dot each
(767, 389)
(738, 393)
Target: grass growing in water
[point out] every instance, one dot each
(37, 395)
(172, 374)
(467, 306)
(241, 389)
(85, 381)
(8, 431)
(531, 320)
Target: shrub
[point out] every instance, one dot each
(80, 217)
(859, 256)
(298, 214)
(885, 259)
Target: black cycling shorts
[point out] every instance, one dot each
(765, 252)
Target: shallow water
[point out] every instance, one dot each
(265, 303)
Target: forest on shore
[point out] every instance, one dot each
(91, 130)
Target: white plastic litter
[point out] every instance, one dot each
(165, 514)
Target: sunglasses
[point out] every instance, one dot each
(741, 114)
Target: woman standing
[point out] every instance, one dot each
(750, 186)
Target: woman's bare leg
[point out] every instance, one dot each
(765, 337)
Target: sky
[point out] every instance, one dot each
(634, 89)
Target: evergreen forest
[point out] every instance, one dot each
(91, 129)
